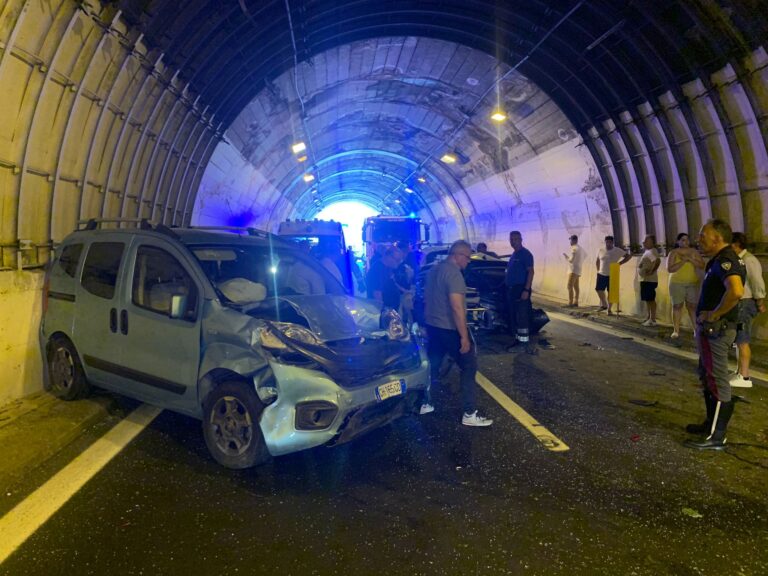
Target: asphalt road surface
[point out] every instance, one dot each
(427, 495)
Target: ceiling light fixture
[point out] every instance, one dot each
(422, 179)
(308, 177)
(448, 158)
(409, 190)
(498, 116)
(298, 147)
(302, 158)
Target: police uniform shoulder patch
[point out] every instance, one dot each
(726, 266)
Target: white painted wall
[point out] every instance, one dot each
(20, 311)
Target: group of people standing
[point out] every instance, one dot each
(721, 307)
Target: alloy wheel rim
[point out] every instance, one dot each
(63, 369)
(232, 426)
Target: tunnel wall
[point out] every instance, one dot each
(20, 358)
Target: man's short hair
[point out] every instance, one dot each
(454, 249)
(573, 237)
(721, 227)
(481, 246)
(516, 233)
(740, 239)
(652, 237)
(609, 238)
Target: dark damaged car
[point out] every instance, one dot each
(244, 332)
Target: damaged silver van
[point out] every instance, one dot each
(243, 331)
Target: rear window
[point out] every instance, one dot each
(70, 257)
(102, 264)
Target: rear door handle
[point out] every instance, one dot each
(124, 321)
(113, 320)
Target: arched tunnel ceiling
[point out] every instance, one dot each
(116, 109)
(605, 55)
(377, 117)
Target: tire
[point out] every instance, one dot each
(231, 426)
(66, 377)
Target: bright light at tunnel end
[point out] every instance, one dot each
(352, 215)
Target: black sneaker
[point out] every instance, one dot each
(707, 444)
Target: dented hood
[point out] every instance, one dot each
(335, 317)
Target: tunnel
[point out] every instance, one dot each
(622, 118)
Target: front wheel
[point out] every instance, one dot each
(66, 376)
(231, 426)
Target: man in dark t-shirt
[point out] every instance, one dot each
(519, 278)
(716, 316)
(380, 280)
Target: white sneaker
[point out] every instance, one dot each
(738, 381)
(649, 322)
(426, 409)
(475, 420)
(675, 335)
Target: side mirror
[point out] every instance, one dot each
(178, 305)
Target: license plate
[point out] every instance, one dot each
(390, 389)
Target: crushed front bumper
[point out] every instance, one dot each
(359, 409)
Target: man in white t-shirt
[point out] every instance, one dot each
(605, 257)
(574, 259)
(647, 270)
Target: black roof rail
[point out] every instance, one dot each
(246, 229)
(95, 223)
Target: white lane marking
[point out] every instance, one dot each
(756, 374)
(21, 522)
(547, 439)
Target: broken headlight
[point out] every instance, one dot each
(391, 322)
(269, 339)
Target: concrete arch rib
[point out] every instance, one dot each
(110, 210)
(34, 223)
(747, 147)
(718, 162)
(668, 179)
(94, 190)
(689, 165)
(755, 197)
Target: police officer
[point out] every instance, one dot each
(519, 279)
(717, 314)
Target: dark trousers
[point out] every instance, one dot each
(442, 342)
(713, 362)
(519, 313)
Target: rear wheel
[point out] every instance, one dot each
(65, 372)
(231, 426)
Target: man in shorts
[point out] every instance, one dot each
(605, 257)
(649, 279)
(752, 304)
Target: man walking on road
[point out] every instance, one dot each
(519, 279)
(605, 257)
(574, 259)
(716, 316)
(752, 304)
(445, 315)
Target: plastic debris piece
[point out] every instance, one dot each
(657, 373)
(692, 513)
(635, 437)
(641, 402)
(585, 344)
